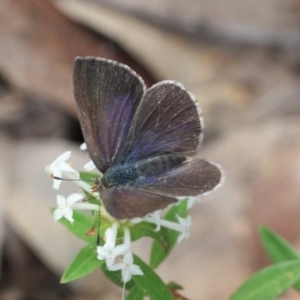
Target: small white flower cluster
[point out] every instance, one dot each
(109, 251)
(60, 169)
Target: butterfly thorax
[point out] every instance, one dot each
(142, 172)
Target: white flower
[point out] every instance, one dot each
(89, 166)
(192, 201)
(60, 166)
(185, 225)
(127, 237)
(127, 267)
(136, 220)
(156, 218)
(110, 251)
(153, 218)
(83, 146)
(64, 206)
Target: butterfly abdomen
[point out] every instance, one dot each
(158, 165)
(141, 171)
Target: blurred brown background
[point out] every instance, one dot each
(241, 59)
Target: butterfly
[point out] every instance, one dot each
(143, 141)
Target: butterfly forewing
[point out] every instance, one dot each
(107, 95)
(167, 121)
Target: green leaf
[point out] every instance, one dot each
(270, 282)
(135, 294)
(82, 224)
(116, 278)
(84, 263)
(150, 283)
(168, 237)
(278, 248)
(180, 210)
(144, 229)
(174, 286)
(89, 178)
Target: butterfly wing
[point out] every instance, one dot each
(121, 123)
(192, 178)
(107, 95)
(169, 120)
(129, 202)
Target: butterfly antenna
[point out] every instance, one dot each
(68, 179)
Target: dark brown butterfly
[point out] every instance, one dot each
(142, 140)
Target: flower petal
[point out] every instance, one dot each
(58, 213)
(135, 270)
(185, 225)
(128, 258)
(110, 259)
(126, 275)
(121, 249)
(64, 157)
(157, 219)
(89, 166)
(68, 213)
(67, 168)
(129, 268)
(56, 182)
(192, 201)
(61, 201)
(102, 253)
(74, 198)
(110, 239)
(117, 267)
(83, 146)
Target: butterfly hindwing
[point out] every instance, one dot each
(129, 202)
(192, 178)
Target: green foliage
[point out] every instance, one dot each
(82, 224)
(116, 278)
(164, 240)
(84, 263)
(88, 177)
(161, 250)
(278, 248)
(135, 294)
(269, 282)
(150, 283)
(272, 281)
